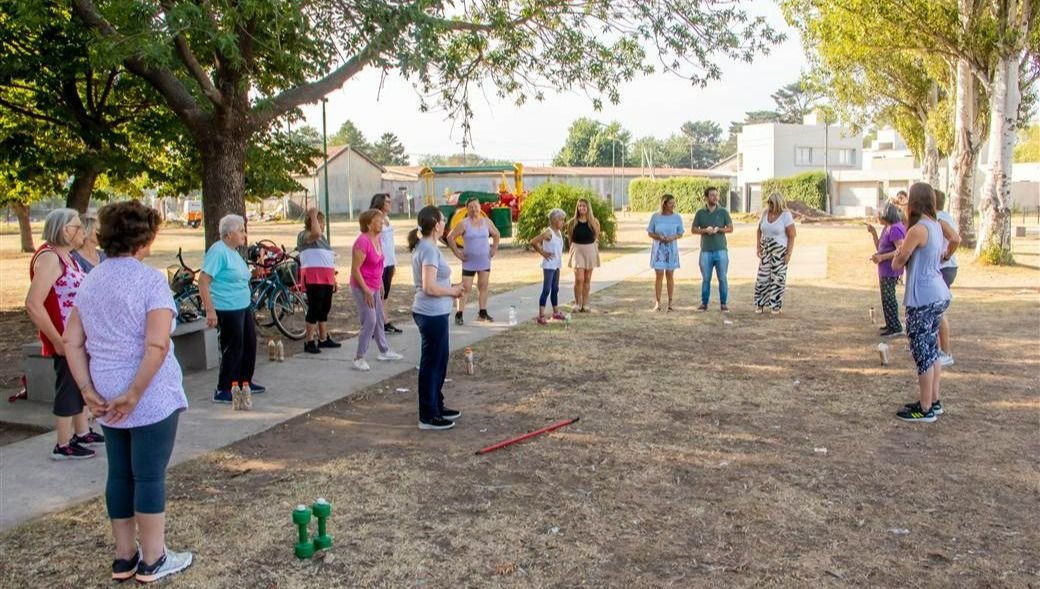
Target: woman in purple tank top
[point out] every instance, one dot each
(926, 298)
(476, 256)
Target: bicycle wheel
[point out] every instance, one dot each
(189, 306)
(262, 306)
(290, 313)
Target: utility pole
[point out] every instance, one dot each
(325, 150)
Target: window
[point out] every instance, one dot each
(803, 156)
(847, 157)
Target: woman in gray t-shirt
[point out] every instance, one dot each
(434, 294)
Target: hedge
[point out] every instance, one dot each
(810, 188)
(534, 214)
(644, 194)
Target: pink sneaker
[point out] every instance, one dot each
(559, 317)
(543, 321)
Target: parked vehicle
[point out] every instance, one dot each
(193, 213)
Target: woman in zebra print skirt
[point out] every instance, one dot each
(776, 235)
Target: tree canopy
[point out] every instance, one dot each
(230, 70)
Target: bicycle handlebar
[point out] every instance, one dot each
(180, 258)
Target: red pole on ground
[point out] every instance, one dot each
(545, 429)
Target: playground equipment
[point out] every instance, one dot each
(301, 516)
(511, 199)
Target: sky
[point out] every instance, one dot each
(652, 105)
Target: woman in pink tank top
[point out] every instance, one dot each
(55, 277)
(366, 284)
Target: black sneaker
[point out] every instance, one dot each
(71, 451)
(391, 328)
(892, 332)
(311, 347)
(170, 563)
(436, 423)
(124, 569)
(88, 439)
(450, 414)
(913, 412)
(328, 342)
(937, 407)
(458, 319)
(485, 317)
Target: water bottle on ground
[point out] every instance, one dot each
(236, 396)
(246, 397)
(512, 315)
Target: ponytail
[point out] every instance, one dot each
(426, 220)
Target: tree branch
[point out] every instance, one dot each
(112, 73)
(32, 114)
(163, 80)
(192, 63)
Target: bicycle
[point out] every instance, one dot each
(277, 295)
(186, 297)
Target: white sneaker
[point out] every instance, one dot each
(360, 364)
(389, 355)
(170, 563)
(945, 359)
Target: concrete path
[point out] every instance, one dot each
(32, 485)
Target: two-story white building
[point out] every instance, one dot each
(779, 150)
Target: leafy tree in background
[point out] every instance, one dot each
(705, 140)
(594, 144)
(229, 71)
(389, 151)
(794, 101)
(307, 135)
(94, 120)
(1028, 148)
(461, 159)
(349, 134)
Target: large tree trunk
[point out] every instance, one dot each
(994, 245)
(21, 211)
(965, 154)
(82, 187)
(930, 161)
(223, 179)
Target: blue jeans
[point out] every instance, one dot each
(433, 364)
(550, 287)
(137, 460)
(719, 260)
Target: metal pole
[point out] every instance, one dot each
(826, 165)
(325, 149)
(613, 173)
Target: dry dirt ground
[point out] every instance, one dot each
(713, 450)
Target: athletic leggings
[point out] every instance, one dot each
(371, 322)
(550, 287)
(137, 460)
(889, 302)
(319, 303)
(772, 276)
(237, 336)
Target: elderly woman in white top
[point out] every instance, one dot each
(775, 240)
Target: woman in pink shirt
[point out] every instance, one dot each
(366, 283)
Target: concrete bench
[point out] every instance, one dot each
(195, 345)
(39, 373)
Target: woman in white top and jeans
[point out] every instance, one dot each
(549, 245)
(775, 240)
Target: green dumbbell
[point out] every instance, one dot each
(322, 510)
(301, 516)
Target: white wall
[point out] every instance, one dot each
(352, 182)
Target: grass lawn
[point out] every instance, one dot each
(713, 451)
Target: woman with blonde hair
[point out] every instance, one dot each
(366, 284)
(775, 242)
(665, 229)
(476, 255)
(88, 255)
(583, 233)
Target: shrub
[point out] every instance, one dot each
(644, 194)
(809, 188)
(534, 215)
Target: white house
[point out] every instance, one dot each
(778, 150)
(354, 178)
